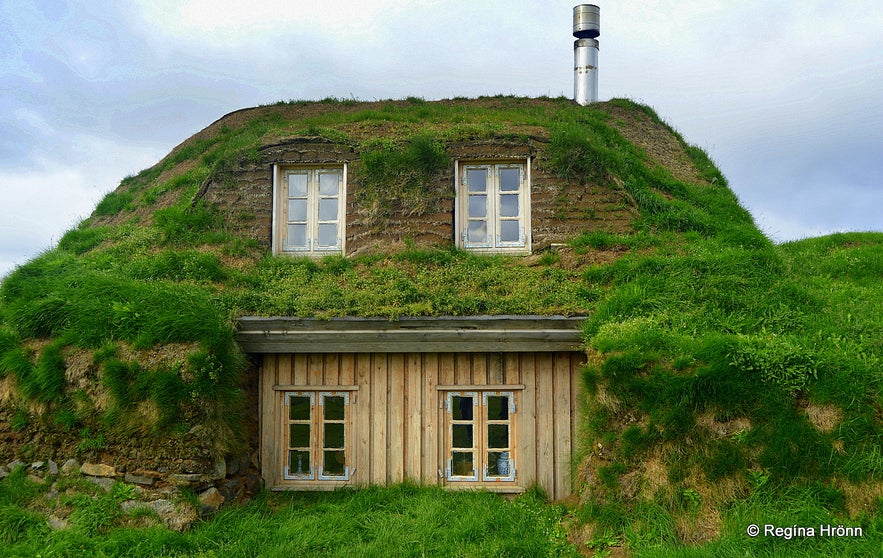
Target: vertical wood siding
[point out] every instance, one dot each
(398, 416)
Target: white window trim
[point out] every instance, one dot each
(461, 200)
(279, 221)
(479, 440)
(317, 400)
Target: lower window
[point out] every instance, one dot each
(316, 440)
(480, 436)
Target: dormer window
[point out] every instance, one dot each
(493, 206)
(309, 210)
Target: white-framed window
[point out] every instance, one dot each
(480, 436)
(309, 210)
(317, 441)
(493, 206)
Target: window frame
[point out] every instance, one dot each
(317, 447)
(493, 205)
(480, 437)
(313, 219)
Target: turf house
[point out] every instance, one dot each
(498, 293)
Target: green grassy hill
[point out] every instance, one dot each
(727, 376)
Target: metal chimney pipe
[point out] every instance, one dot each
(586, 27)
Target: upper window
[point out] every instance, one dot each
(309, 212)
(480, 434)
(494, 207)
(316, 438)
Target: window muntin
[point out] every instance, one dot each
(316, 437)
(480, 434)
(311, 210)
(494, 206)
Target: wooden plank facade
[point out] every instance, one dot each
(499, 420)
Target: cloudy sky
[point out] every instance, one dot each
(787, 97)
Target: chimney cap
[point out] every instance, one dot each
(586, 21)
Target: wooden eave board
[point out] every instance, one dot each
(441, 334)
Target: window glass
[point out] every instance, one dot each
(461, 407)
(299, 407)
(334, 406)
(297, 210)
(478, 206)
(297, 185)
(477, 180)
(509, 231)
(462, 464)
(327, 235)
(329, 183)
(498, 464)
(297, 236)
(299, 462)
(510, 179)
(334, 463)
(498, 436)
(327, 209)
(497, 407)
(333, 435)
(299, 435)
(461, 435)
(477, 231)
(509, 205)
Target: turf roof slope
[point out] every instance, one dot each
(720, 365)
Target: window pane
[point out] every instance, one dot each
(297, 236)
(498, 436)
(461, 464)
(333, 435)
(299, 435)
(509, 205)
(462, 435)
(510, 179)
(461, 407)
(299, 408)
(477, 206)
(509, 231)
(297, 185)
(329, 183)
(477, 231)
(328, 209)
(497, 407)
(498, 464)
(476, 179)
(334, 407)
(298, 462)
(334, 463)
(328, 235)
(297, 210)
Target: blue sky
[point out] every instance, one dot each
(786, 97)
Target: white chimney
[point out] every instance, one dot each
(586, 27)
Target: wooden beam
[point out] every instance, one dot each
(443, 334)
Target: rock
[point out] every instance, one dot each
(220, 469)
(70, 466)
(13, 465)
(185, 479)
(98, 470)
(35, 478)
(53, 468)
(162, 507)
(57, 523)
(175, 519)
(104, 482)
(51, 495)
(210, 501)
(3, 473)
(139, 479)
(37, 465)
